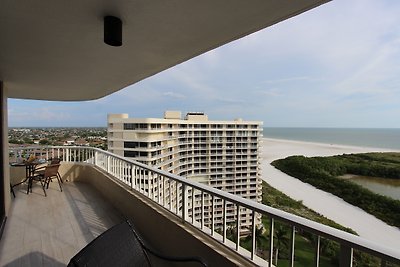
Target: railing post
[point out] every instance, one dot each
(271, 242)
(237, 227)
(133, 176)
(150, 185)
(317, 250)
(177, 198)
(193, 205)
(202, 210)
(292, 243)
(184, 202)
(121, 171)
(253, 235)
(141, 181)
(67, 153)
(212, 215)
(345, 256)
(108, 164)
(224, 221)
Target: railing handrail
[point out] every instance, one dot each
(294, 220)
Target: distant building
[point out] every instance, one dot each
(69, 142)
(222, 154)
(81, 142)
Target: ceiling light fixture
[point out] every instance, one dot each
(112, 31)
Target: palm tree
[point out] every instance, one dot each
(259, 237)
(231, 232)
(281, 240)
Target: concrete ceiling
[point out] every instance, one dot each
(54, 49)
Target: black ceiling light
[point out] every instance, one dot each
(112, 31)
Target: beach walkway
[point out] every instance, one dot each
(366, 225)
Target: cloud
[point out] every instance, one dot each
(270, 92)
(227, 100)
(379, 74)
(288, 79)
(174, 95)
(41, 116)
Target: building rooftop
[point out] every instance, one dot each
(176, 117)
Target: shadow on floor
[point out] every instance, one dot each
(35, 258)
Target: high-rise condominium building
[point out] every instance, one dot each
(222, 154)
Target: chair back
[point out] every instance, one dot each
(51, 170)
(117, 246)
(55, 161)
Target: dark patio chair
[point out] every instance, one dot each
(121, 246)
(56, 161)
(40, 170)
(44, 175)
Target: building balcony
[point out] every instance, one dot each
(49, 231)
(101, 189)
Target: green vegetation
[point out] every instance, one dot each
(276, 199)
(323, 172)
(15, 141)
(44, 142)
(305, 242)
(94, 137)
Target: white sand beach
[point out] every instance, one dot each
(366, 225)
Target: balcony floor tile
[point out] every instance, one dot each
(48, 231)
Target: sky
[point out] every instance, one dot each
(337, 65)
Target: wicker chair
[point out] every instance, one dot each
(56, 161)
(121, 246)
(44, 176)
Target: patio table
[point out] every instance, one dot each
(29, 170)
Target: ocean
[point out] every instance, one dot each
(377, 138)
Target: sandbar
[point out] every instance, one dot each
(366, 225)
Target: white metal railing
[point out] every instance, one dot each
(198, 204)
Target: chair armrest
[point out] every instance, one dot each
(177, 259)
(164, 257)
(39, 169)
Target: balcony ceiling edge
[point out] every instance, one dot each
(54, 50)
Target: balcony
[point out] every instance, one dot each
(102, 188)
(49, 231)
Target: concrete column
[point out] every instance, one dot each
(5, 199)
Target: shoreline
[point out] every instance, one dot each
(319, 149)
(327, 204)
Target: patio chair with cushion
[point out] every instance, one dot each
(122, 246)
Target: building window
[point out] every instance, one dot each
(130, 126)
(130, 144)
(130, 154)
